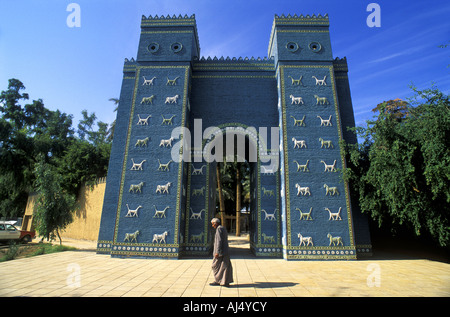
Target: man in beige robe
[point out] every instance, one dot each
(221, 266)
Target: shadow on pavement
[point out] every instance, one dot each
(405, 246)
(265, 285)
(384, 248)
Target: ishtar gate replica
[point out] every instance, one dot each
(177, 111)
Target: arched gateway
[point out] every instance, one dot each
(177, 116)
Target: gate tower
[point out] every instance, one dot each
(176, 113)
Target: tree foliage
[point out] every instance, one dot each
(401, 170)
(86, 157)
(25, 132)
(31, 131)
(229, 179)
(54, 205)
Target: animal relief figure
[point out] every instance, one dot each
(136, 166)
(334, 215)
(329, 168)
(198, 171)
(267, 170)
(148, 82)
(160, 213)
(196, 215)
(135, 188)
(266, 238)
(172, 82)
(166, 143)
(327, 143)
(302, 167)
(330, 190)
(172, 99)
(167, 121)
(130, 237)
(335, 240)
(296, 82)
(305, 215)
(268, 192)
(198, 191)
(320, 82)
(299, 143)
(302, 190)
(159, 238)
(132, 212)
(299, 122)
(148, 100)
(143, 121)
(305, 240)
(269, 216)
(163, 188)
(325, 122)
(321, 100)
(142, 142)
(296, 100)
(197, 237)
(164, 167)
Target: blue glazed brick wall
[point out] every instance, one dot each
(360, 221)
(314, 154)
(233, 95)
(303, 50)
(106, 231)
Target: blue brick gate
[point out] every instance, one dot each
(177, 116)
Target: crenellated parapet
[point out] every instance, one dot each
(286, 114)
(300, 37)
(340, 64)
(308, 20)
(237, 59)
(168, 21)
(168, 17)
(234, 64)
(129, 68)
(168, 38)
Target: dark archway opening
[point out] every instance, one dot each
(234, 203)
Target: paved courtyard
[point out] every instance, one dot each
(85, 273)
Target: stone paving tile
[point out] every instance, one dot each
(103, 276)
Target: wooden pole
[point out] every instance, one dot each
(221, 202)
(238, 200)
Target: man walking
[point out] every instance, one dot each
(221, 266)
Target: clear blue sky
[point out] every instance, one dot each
(73, 69)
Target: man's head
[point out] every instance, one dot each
(215, 222)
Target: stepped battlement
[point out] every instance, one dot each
(340, 64)
(160, 194)
(307, 20)
(236, 59)
(168, 17)
(301, 16)
(164, 29)
(234, 64)
(167, 21)
(293, 28)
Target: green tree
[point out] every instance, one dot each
(31, 131)
(220, 199)
(401, 170)
(54, 205)
(25, 132)
(83, 163)
(112, 126)
(86, 158)
(87, 132)
(233, 187)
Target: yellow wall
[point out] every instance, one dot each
(29, 210)
(86, 220)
